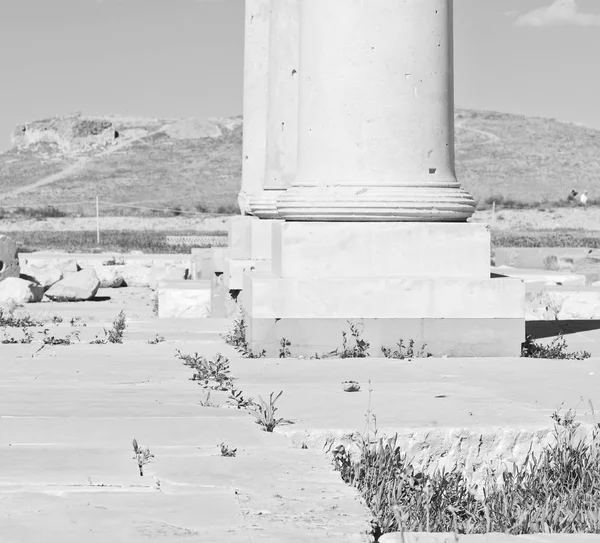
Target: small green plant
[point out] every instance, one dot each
(360, 349)
(405, 351)
(142, 455)
(114, 334)
(284, 348)
(76, 321)
(212, 374)
(8, 320)
(11, 340)
(48, 339)
(227, 451)
(236, 337)
(57, 319)
(205, 401)
(557, 350)
(264, 412)
(155, 304)
(237, 399)
(156, 340)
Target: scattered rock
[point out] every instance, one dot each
(44, 276)
(75, 287)
(109, 276)
(9, 259)
(14, 290)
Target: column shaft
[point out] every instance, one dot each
(282, 108)
(256, 63)
(376, 132)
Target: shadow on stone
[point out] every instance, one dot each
(545, 329)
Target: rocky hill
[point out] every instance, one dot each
(194, 166)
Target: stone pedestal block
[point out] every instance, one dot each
(423, 281)
(184, 299)
(394, 249)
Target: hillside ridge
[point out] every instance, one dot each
(196, 164)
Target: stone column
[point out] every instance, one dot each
(256, 64)
(375, 228)
(282, 108)
(376, 130)
(270, 132)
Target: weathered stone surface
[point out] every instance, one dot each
(110, 277)
(14, 290)
(135, 275)
(9, 260)
(68, 266)
(44, 276)
(79, 286)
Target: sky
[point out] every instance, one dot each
(184, 58)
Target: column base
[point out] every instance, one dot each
(263, 205)
(452, 317)
(444, 202)
(429, 283)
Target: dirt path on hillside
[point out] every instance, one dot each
(80, 164)
(491, 138)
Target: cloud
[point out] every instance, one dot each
(560, 12)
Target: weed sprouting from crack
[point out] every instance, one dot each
(264, 413)
(360, 349)
(227, 451)
(11, 340)
(156, 340)
(236, 398)
(557, 350)
(284, 348)
(205, 401)
(114, 334)
(142, 455)
(405, 351)
(236, 337)
(213, 374)
(8, 320)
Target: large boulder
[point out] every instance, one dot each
(75, 287)
(14, 290)
(45, 276)
(109, 276)
(9, 259)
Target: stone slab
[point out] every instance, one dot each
(456, 337)
(268, 296)
(184, 299)
(547, 277)
(380, 249)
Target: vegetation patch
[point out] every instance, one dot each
(556, 350)
(121, 241)
(556, 491)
